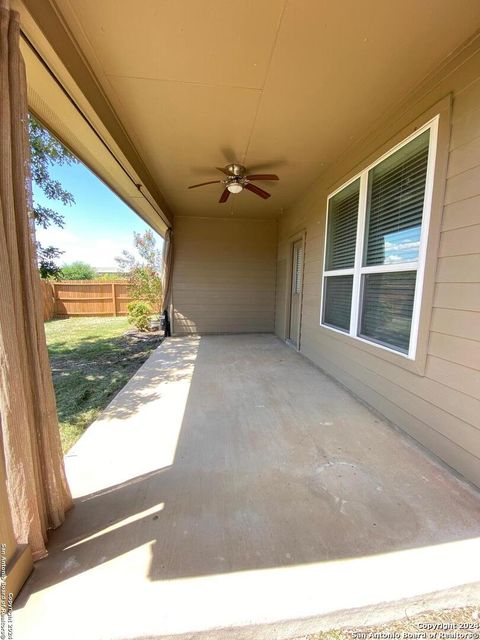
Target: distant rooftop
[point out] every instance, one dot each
(111, 269)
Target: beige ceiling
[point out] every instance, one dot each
(286, 85)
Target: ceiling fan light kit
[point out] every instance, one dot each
(237, 180)
(235, 187)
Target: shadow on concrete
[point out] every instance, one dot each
(276, 465)
(144, 387)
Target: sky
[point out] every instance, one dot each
(97, 227)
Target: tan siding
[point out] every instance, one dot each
(458, 295)
(466, 128)
(454, 375)
(461, 324)
(461, 241)
(224, 275)
(459, 350)
(459, 268)
(464, 157)
(463, 185)
(467, 103)
(461, 214)
(440, 404)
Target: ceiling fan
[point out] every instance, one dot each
(237, 180)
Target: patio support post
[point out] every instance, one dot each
(167, 263)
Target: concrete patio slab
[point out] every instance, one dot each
(232, 490)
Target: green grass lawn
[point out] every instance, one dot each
(91, 360)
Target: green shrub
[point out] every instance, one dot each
(139, 314)
(78, 271)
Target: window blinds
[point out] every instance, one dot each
(338, 301)
(342, 228)
(387, 308)
(395, 205)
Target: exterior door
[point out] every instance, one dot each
(296, 292)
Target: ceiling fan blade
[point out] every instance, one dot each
(193, 186)
(260, 192)
(225, 195)
(263, 176)
(227, 173)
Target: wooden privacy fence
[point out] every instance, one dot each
(48, 300)
(84, 298)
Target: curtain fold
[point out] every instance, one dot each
(37, 487)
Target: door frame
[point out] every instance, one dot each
(299, 235)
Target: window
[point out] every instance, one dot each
(377, 226)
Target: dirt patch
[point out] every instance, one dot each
(447, 624)
(145, 336)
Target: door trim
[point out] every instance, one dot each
(300, 235)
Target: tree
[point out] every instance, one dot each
(46, 151)
(146, 245)
(78, 271)
(145, 275)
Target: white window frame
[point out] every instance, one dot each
(357, 271)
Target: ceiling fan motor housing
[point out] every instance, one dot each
(237, 170)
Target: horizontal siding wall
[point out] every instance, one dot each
(440, 408)
(224, 275)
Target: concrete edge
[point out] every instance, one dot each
(381, 613)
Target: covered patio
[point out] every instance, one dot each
(231, 483)
(236, 488)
